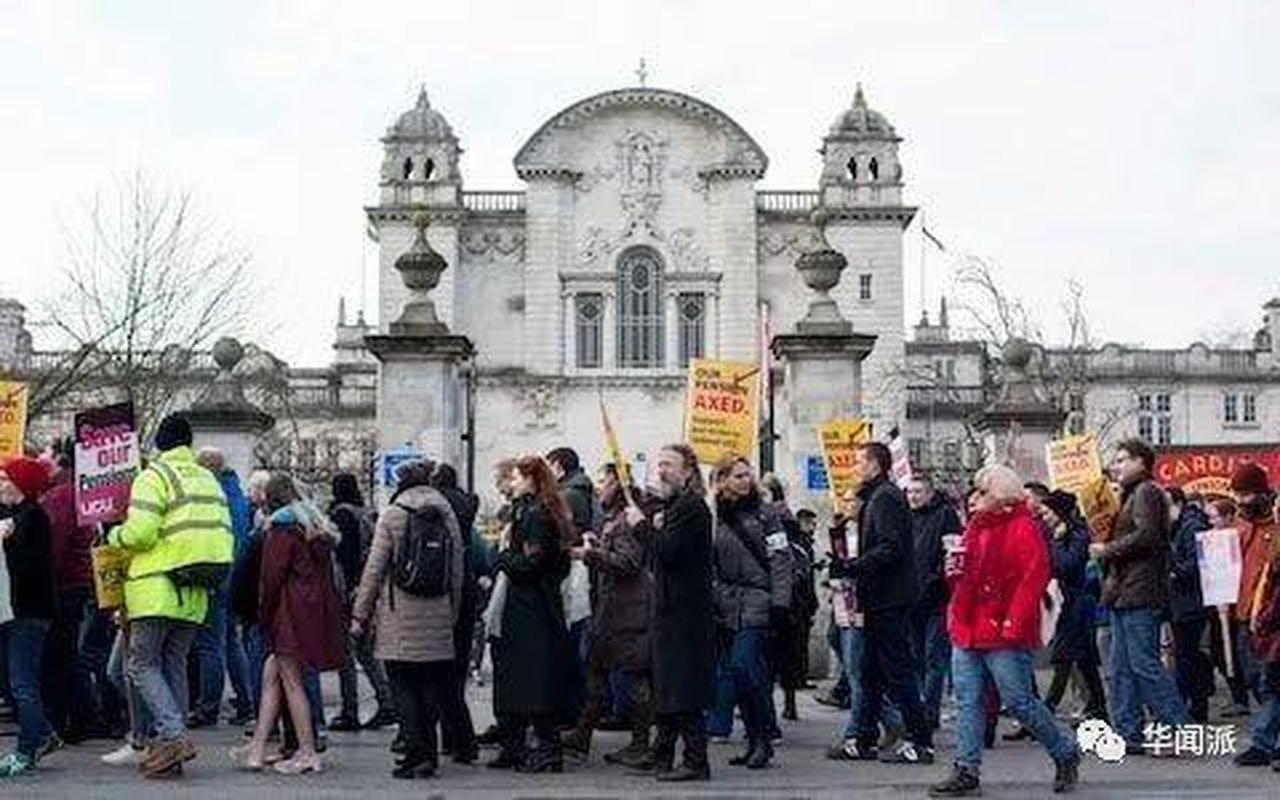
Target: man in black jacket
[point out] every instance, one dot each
(885, 576)
(932, 517)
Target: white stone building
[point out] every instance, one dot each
(641, 238)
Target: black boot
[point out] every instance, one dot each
(546, 757)
(1066, 775)
(685, 773)
(789, 706)
(963, 782)
(415, 765)
(760, 755)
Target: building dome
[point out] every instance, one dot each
(421, 122)
(861, 121)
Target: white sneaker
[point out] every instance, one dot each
(125, 756)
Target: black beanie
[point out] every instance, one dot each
(174, 431)
(1063, 504)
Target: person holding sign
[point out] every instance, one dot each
(620, 636)
(678, 536)
(1136, 589)
(24, 528)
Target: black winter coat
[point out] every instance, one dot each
(684, 656)
(1073, 638)
(348, 519)
(1186, 601)
(752, 565)
(465, 507)
(529, 662)
(579, 495)
(928, 526)
(30, 562)
(884, 568)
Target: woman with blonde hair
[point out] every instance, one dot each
(997, 579)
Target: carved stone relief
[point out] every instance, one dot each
(490, 243)
(795, 241)
(541, 405)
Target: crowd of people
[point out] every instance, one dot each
(667, 610)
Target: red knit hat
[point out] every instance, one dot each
(29, 475)
(1250, 479)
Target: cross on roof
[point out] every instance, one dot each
(642, 72)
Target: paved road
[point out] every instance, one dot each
(358, 765)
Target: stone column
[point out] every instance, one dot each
(1018, 425)
(421, 390)
(223, 418)
(821, 381)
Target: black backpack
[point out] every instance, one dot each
(422, 566)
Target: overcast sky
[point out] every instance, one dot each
(1134, 146)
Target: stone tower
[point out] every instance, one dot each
(419, 174)
(861, 208)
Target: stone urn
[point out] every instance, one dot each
(420, 268)
(820, 270)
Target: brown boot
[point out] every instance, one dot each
(162, 756)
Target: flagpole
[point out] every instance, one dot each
(923, 299)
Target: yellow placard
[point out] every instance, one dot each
(722, 409)
(840, 440)
(110, 566)
(13, 417)
(1099, 504)
(1074, 463)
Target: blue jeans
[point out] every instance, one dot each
(1137, 676)
(1266, 722)
(158, 649)
(1011, 671)
(851, 646)
(933, 654)
(140, 722)
(237, 666)
(742, 679)
(25, 649)
(210, 652)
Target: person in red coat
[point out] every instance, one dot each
(997, 580)
(300, 613)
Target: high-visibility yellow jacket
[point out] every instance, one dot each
(177, 517)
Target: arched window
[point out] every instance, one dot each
(407, 169)
(640, 329)
(428, 168)
(873, 167)
(853, 169)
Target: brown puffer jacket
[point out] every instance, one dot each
(1136, 557)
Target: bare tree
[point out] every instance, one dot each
(147, 285)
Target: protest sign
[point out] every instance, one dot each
(106, 462)
(722, 408)
(616, 456)
(1073, 462)
(840, 440)
(1075, 466)
(901, 460)
(1218, 556)
(13, 417)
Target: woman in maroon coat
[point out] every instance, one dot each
(300, 614)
